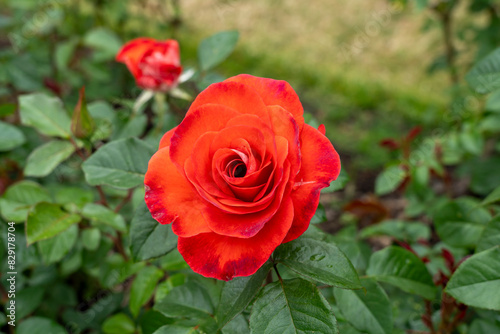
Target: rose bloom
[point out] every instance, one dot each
(239, 176)
(155, 65)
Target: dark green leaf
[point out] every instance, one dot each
(152, 320)
(319, 260)
(460, 223)
(121, 163)
(101, 214)
(484, 77)
(292, 306)
(27, 300)
(238, 293)
(19, 198)
(48, 220)
(367, 310)
(214, 49)
(238, 325)
(45, 113)
(189, 300)
(476, 280)
(118, 324)
(54, 249)
(44, 159)
(7, 109)
(403, 269)
(493, 197)
(490, 236)
(143, 287)
(10, 137)
(148, 238)
(39, 325)
(82, 124)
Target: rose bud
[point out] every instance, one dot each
(155, 65)
(240, 175)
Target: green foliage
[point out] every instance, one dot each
(403, 269)
(214, 49)
(476, 281)
(292, 306)
(121, 163)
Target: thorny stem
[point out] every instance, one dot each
(428, 316)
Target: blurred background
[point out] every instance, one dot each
(367, 69)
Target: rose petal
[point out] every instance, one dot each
(132, 52)
(209, 117)
(275, 92)
(221, 257)
(171, 198)
(234, 95)
(320, 166)
(165, 140)
(244, 224)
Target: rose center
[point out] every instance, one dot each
(236, 168)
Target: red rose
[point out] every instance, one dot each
(240, 175)
(155, 65)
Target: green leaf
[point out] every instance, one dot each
(190, 300)
(174, 329)
(490, 236)
(319, 260)
(214, 49)
(151, 320)
(39, 325)
(45, 113)
(493, 197)
(319, 216)
(400, 230)
(91, 237)
(10, 137)
(19, 198)
(484, 77)
(367, 310)
(54, 249)
(483, 326)
(44, 159)
(27, 300)
(118, 324)
(338, 184)
(143, 287)
(403, 269)
(292, 306)
(163, 289)
(103, 40)
(493, 102)
(133, 128)
(121, 163)
(238, 293)
(389, 180)
(82, 124)
(148, 238)
(476, 281)
(47, 220)
(101, 214)
(238, 325)
(460, 223)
